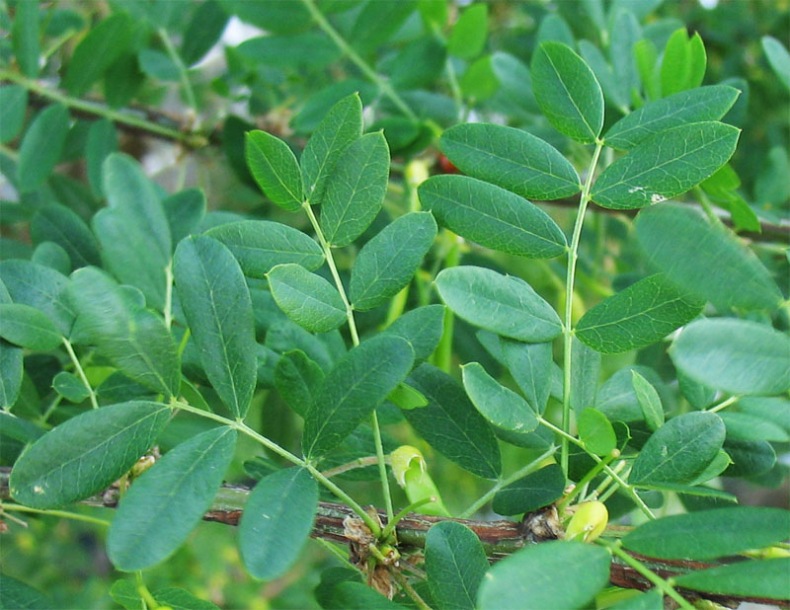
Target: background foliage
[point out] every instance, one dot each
(140, 139)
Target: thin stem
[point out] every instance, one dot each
(626, 487)
(61, 514)
(661, 584)
(443, 356)
(148, 598)
(182, 71)
(168, 310)
(284, 453)
(573, 255)
(409, 590)
(352, 326)
(189, 139)
(80, 373)
(363, 462)
(582, 484)
(521, 472)
(349, 52)
(724, 404)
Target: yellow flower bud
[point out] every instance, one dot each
(588, 522)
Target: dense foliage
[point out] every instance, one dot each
(521, 262)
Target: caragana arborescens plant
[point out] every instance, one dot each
(490, 300)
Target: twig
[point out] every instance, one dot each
(499, 538)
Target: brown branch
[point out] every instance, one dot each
(499, 538)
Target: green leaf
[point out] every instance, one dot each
(134, 339)
(534, 491)
(104, 44)
(259, 245)
(158, 65)
(271, 15)
(479, 82)
(27, 327)
(25, 37)
(778, 57)
(70, 387)
(125, 593)
(705, 260)
(277, 521)
(297, 379)
(649, 401)
(666, 164)
(180, 599)
(586, 371)
(451, 424)
(736, 356)
(13, 101)
(694, 106)
(492, 216)
(422, 328)
(388, 17)
(40, 287)
(355, 189)
(102, 141)
(455, 564)
(341, 126)
(536, 577)
(640, 315)
(275, 169)
(203, 31)
(698, 535)
(304, 51)
(218, 308)
(530, 365)
(85, 454)
(468, 36)
(133, 231)
(359, 382)
(766, 579)
(41, 147)
(19, 596)
(650, 600)
(11, 373)
(184, 211)
(308, 299)
(567, 92)
(596, 432)
(358, 596)
(746, 427)
(506, 305)
(683, 63)
(60, 225)
(511, 158)
(164, 505)
(387, 263)
(679, 450)
(502, 407)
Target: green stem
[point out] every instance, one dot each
(585, 480)
(374, 527)
(625, 486)
(521, 472)
(60, 514)
(409, 590)
(182, 71)
(662, 585)
(443, 357)
(80, 373)
(168, 309)
(349, 52)
(352, 326)
(724, 404)
(573, 255)
(142, 589)
(191, 140)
